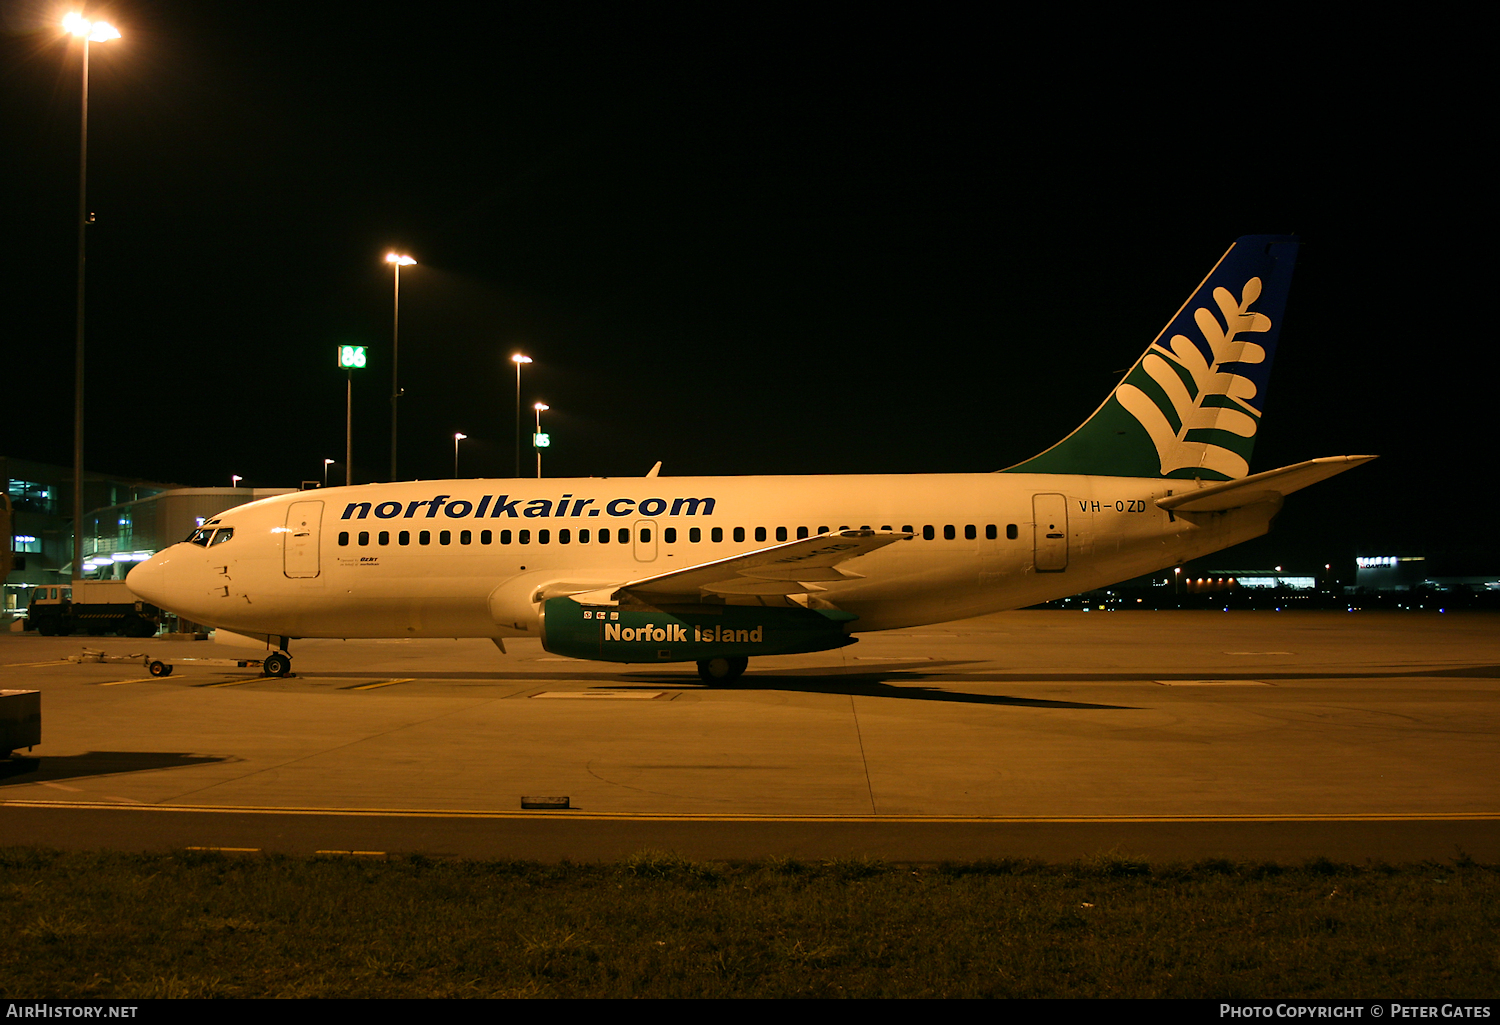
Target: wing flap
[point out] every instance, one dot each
(792, 567)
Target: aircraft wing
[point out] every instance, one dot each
(793, 567)
(1260, 487)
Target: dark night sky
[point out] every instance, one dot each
(754, 240)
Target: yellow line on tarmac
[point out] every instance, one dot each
(574, 815)
(26, 665)
(231, 683)
(381, 683)
(116, 683)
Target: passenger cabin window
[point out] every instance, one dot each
(1010, 531)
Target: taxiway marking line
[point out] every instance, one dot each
(116, 683)
(27, 665)
(623, 817)
(379, 683)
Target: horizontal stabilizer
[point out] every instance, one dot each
(1262, 487)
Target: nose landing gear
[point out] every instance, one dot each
(278, 663)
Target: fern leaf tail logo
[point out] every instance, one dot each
(1191, 406)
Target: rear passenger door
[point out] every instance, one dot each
(1049, 531)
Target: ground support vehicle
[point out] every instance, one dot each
(273, 665)
(92, 606)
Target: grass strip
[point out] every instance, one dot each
(205, 924)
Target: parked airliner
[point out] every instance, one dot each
(714, 570)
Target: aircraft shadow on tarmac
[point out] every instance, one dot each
(889, 681)
(860, 681)
(23, 769)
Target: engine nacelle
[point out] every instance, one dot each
(687, 633)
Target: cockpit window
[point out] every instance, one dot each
(224, 534)
(201, 536)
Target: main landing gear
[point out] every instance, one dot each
(278, 663)
(722, 670)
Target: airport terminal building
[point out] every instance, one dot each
(129, 521)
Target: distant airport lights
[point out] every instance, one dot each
(539, 440)
(89, 32)
(518, 359)
(397, 261)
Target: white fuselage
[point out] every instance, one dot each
(449, 558)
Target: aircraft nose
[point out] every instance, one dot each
(148, 580)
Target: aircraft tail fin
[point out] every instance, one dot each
(1191, 405)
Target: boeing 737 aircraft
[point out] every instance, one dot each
(713, 570)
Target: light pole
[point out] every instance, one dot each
(518, 359)
(326, 464)
(539, 440)
(234, 480)
(89, 32)
(397, 261)
(456, 439)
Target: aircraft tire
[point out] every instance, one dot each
(277, 664)
(160, 669)
(722, 670)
